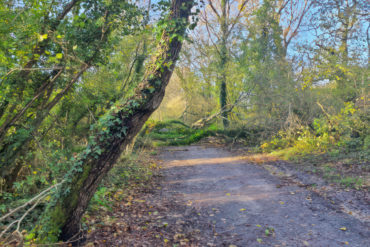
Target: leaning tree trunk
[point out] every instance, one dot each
(115, 130)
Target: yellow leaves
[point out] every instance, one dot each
(35, 172)
(178, 236)
(140, 201)
(305, 243)
(282, 203)
(343, 228)
(153, 166)
(43, 37)
(228, 194)
(59, 56)
(242, 209)
(258, 225)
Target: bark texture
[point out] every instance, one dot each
(223, 62)
(114, 132)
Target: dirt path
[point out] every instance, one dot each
(244, 205)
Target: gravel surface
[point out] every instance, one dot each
(248, 206)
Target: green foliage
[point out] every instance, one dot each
(132, 169)
(345, 132)
(100, 199)
(49, 50)
(172, 133)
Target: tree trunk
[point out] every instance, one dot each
(223, 63)
(115, 131)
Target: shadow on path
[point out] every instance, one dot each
(246, 206)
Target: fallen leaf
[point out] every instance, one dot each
(242, 209)
(228, 194)
(258, 225)
(343, 228)
(259, 240)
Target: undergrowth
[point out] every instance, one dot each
(337, 147)
(135, 169)
(337, 135)
(172, 133)
(176, 133)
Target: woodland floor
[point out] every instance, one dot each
(209, 196)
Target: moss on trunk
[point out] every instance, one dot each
(114, 132)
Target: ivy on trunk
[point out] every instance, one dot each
(114, 131)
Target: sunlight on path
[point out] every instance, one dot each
(245, 203)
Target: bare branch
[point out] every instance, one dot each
(214, 9)
(41, 194)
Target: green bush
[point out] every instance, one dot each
(346, 131)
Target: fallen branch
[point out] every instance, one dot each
(228, 108)
(41, 194)
(35, 201)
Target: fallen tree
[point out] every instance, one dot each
(203, 122)
(114, 131)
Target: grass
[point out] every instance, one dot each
(172, 133)
(349, 170)
(176, 133)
